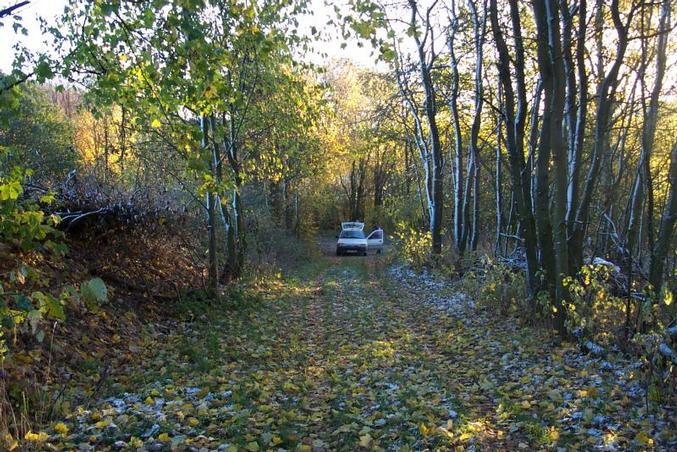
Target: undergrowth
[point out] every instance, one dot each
(64, 332)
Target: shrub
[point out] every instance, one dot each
(592, 307)
(22, 223)
(496, 286)
(414, 246)
(28, 303)
(24, 226)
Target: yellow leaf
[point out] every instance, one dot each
(667, 296)
(447, 433)
(305, 448)
(164, 437)
(365, 440)
(193, 422)
(135, 442)
(253, 446)
(644, 439)
(290, 387)
(104, 423)
(210, 92)
(156, 123)
(525, 404)
(12, 443)
(36, 437)
(61, 428)
(149, 400)
(465, 436)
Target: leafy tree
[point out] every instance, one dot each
(37, 135)
(202, 69)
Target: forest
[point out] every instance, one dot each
(173, 179)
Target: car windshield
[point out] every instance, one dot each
(352, 234)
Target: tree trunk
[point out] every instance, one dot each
(662, 246)
(297, 222)
(543, 154)
(576, 143)
(460, 196)
(605, 94)
(648, 138)
(479, 28)
(436, 199)
(237, 240)
(552, 236)
(498, 191)
(123, 140)
(514, 121)
(213, 273)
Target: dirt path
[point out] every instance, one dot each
(347, 353)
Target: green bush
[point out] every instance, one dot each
(24, 226)
(22, 223)
(36, 134)
(29, 305)
(590, 298)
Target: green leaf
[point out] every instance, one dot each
(34, 318)
(10, 191)
(43, 71)
(364, 29)
(95, 290)
(54, 308)
(24, 303)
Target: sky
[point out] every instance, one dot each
(50, 9)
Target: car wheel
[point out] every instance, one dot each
(338, 252)
(364, 253)
(378, 251)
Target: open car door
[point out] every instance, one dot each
(375, 240)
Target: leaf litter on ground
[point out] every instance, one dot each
(351, 355)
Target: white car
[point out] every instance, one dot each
(352, 239)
